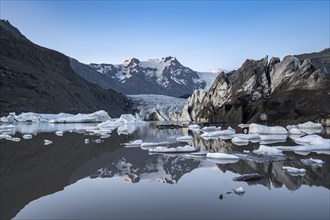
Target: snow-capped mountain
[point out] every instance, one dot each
(165, 76)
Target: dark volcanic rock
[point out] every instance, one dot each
(33, 78)
(286, 91)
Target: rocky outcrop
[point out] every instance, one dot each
(37, 79)
(285, 91)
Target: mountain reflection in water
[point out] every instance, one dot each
(30, 170)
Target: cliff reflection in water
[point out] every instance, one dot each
(30, 170)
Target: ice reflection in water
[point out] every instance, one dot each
(30, 171)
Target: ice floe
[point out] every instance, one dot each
(210, 128)
(185, 138)
(194, 127)
(59, 133)
(313, 162)
(99, 116)
(222, 156)
(179, 149)
(294, 171)
(265, 150)
(15, 139)
(262, 129)
(295, 131)
(47, 142)
(310, 125)
(136, 143)
(312, 140)
(248, 136)
(211, 135)
(229, 131)
(27, 136)
(31, 117)
(239, 141)
(239, 191)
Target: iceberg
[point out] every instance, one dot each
(265, 150)
(210, 129)
(136, 143)
(239, 191)
(313, 162)
(312, 140)
(179, 149)
(248, 136)
(222, 156)
(211, 135)
(262, 129)
(128, 119)
(5, 136)
(15, 139)
(59, 133)
(27, 136)
(31, 117)
(47, 142)
(229, 131)
(294, 171)
(193, 127)
(295, 131)
(185, 138)
(310, 125)
(99, 116)
(273, 137)
(239, 141)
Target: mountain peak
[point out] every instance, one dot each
(131, 62)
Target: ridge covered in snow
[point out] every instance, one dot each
(165, 76)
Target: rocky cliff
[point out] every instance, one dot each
(268, 90)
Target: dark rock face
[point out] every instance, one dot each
(166, 76)
(286, 91)
(33, 78)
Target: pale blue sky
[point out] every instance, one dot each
(201, 34)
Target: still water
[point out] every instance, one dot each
(70, 179)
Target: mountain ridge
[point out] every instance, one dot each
(37, 79)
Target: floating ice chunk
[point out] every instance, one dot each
(248, 136)
(226, 137)
(239, 141)
(5, 136)
(239, 191)
(98, 141)
(103, 136)
(179, 149)
(108, 124)
(294, 171)
(222, 156)
(128, 119)
(262, 129)
(99, 116)
(288, 127)
(155, 144)
(229, 131)
(199, 154)
(246, 151)
(313, 148)
(16, 139)
(193, 127)
(27, 136)
(47, 142)
(185, 138)
(310, 124)
(209, 129)
(273, 137)
(313, 162)
(211, 135)
(59, 133)
(86, 141)
(295, 131)
(31, 117)
(136, 143)
(312, 140)
(265, 150)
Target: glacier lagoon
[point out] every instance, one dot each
(102, 179)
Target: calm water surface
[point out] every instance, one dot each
(70, 179)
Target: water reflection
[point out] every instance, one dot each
(30, 170)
